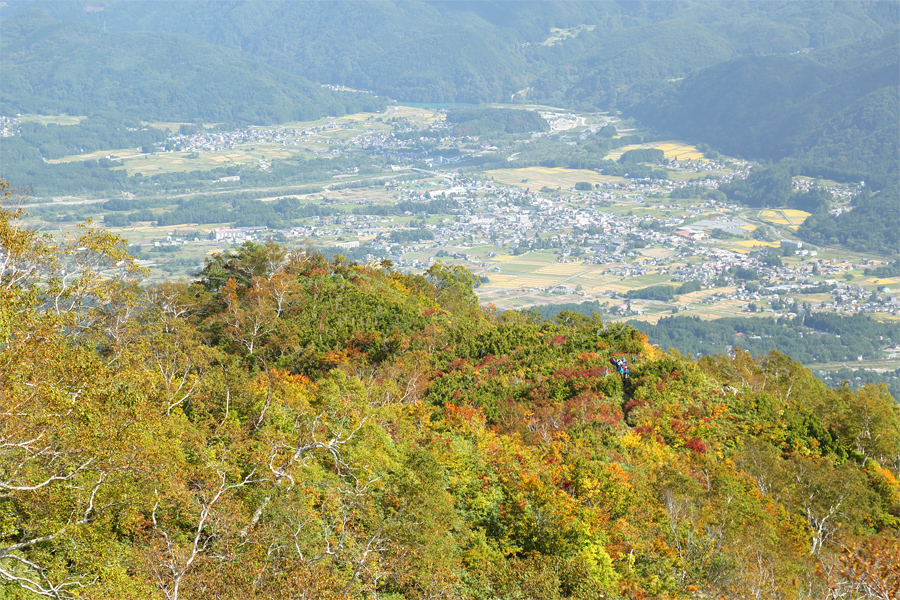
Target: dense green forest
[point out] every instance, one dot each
(153, 76)
(292, 425)
(474, 121)
(664, 292)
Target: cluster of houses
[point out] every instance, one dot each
(215, 140)
(8, 126)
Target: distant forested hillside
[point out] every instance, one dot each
(838, 109)
(662, 41)
(53, 67)
(591, 53)
(471, 121)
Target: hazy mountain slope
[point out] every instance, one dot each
(841, 113)
(51, 66)
(611, 54)
(620, 66)
(403, 49)
(861, 138)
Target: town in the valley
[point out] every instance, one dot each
(533, 235)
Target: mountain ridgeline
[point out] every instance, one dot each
(152, 76)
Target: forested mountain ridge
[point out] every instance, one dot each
(54, 67)
(452, 51)
(838, 110)
(293, 425)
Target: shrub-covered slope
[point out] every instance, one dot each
(291, 426)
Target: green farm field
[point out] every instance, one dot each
(538, 177)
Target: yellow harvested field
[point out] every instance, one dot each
(680, 151)
(693, 297)
(749, 227)
(785, 216)
(359, 116)
(651, 319)
(527, 262)
(562, 269)
(509, 284)
(877, 281)
(672, 150)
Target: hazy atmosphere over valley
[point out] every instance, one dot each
(476, 299)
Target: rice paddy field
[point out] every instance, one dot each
(330, 134)
(672, 150)
(538, 272)
(757, 244)
(786, 217)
